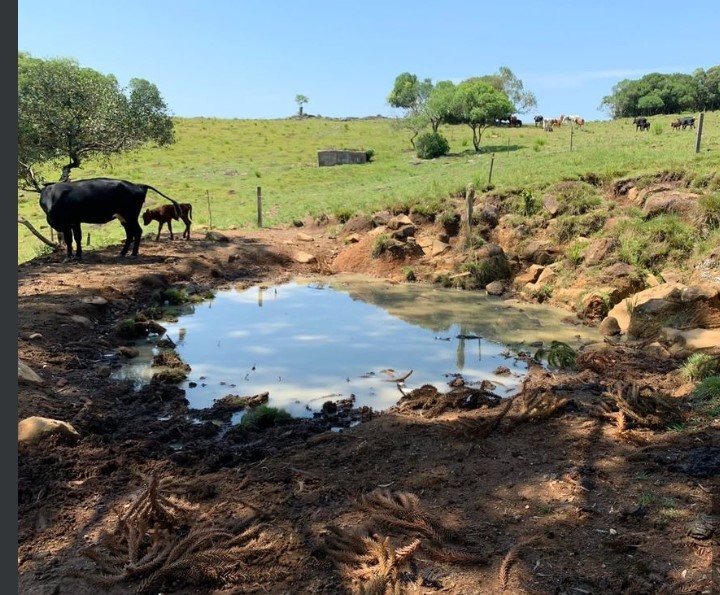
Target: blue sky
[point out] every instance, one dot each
(249, 59)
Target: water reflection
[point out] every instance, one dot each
(311, 340)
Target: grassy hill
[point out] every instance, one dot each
(217, 165)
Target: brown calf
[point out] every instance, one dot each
(165, 214)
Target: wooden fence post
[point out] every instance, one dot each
(207, 195)
(469, 199)
(699, 132)
(259, 206)
(492, 160)
(572, 128)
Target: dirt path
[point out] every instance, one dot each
(552, 492)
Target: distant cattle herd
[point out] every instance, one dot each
(642, 123)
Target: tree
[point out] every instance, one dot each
(439, 105)
(657, 93)
(478, 104)
(411, 94)
(67, 114)
(300, 100)
(504, 80)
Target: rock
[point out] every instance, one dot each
(95, 300)
(698, 339)
(103, 371)
(216, 236)
(438, 248)
(84, 321)
(489, 215)
(598, 251)
(27, 374)
(551, 205)
(303, 237)
(398, 221)
(539, 253)
(609, 327)
(488, 251)
(495, 288)
(33, 429)
(35, 336)
(129, 352)
(303, 257)
(353, 238)
(657, 350)
(529, 276)
(404, 232)
(356, 224)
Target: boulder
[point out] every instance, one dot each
(33, 429)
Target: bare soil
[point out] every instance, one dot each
(574, 486)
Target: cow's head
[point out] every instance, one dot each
(147, 217)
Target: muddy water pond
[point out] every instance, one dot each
(314, 340)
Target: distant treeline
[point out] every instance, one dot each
(665, 94)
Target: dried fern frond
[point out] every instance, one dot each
(150, 543)
(511, 557)
(156, 504)
(401, 510)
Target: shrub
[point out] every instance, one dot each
(559, 356)
(651, 243)
(700, 366)
(431, 145)
(569, 227)
(706, 397)
(709, 215)
(344, 215)
(369, 154)
(175, 296)
(573, 253)
(485, 271)
(263, 416)
(409, 273)
(381, 244)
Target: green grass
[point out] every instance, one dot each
(217, 165)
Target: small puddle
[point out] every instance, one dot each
(311, 341)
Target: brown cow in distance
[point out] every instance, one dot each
(163, 214)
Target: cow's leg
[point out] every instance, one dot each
(136, 234)
(160, 224)
(172, 237)
(186, 233)
(128, 238)
(65, 236)
(77, 232)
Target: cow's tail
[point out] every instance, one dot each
(189, 212)
(176, 204)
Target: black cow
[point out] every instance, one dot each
(97, 200)
(641, 123)
(688, 122)
(538, 120)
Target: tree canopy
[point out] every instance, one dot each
(478, 104)
(67, 114)
(657, 93)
